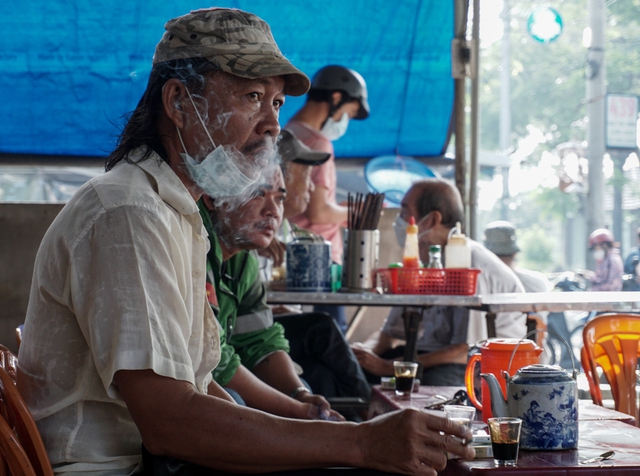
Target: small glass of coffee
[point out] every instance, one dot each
(405, 373)
(505, 440)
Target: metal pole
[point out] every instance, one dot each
(595, 97)
(619, 157)
(475, 167)
(461, 8)
(505, 102)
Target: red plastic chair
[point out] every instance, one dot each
(612, 342)
(18, 417)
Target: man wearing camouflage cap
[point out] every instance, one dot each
(119, 341)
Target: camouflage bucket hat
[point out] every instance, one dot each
(237, 42)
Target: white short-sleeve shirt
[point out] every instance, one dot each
(118, 284)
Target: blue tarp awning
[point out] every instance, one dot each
(72, 69)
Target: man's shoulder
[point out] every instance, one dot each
(533, 281)
(495, 275)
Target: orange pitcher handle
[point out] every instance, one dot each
(469, 380)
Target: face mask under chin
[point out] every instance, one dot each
(218, 175)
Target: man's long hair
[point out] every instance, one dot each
(143, 125)
(440, 195)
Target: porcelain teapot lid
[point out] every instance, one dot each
(541, 373)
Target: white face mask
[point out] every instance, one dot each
(217, 175)
(599, 255)
(400, 228)
(333, 130)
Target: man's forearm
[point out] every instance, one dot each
(278, 371)
(175, 420)
(452, 354)
(323, 210)
(257, 394)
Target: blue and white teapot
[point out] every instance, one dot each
(545, 397)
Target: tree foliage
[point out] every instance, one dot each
(548, 80)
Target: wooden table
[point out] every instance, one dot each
(384, 401)
(600, 429)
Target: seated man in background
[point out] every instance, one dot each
(445, 332)
(250, 339)
(500, 238)
(119, 341)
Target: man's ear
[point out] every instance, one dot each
(173, 92)
(208, 201)
(336, 97)
(433, 219)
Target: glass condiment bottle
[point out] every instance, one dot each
(435, 254)
(411, 254)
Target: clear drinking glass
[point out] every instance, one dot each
(505, 440)
(460, 414)
(405, 373)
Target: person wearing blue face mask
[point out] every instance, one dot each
(445, 333)
(337, 95)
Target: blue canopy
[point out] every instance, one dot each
(71, 70)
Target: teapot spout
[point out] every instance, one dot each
(498, 402)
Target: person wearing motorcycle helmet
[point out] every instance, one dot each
(337, 95)
(609, 265)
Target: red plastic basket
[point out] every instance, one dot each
(450, 281)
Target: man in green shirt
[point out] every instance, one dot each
(254, 363)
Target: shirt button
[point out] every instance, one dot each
(196, 274)
(194, 333)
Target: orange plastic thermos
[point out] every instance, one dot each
(494, 357)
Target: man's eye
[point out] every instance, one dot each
(278, 103)
(254, 95)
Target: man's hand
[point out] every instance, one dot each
(275, 251)
(372, 362)
(320, 409)
(412, 442)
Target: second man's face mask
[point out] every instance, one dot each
(400, 228)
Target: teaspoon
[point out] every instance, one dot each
(602, 457)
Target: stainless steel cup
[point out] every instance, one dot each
(361, 251)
